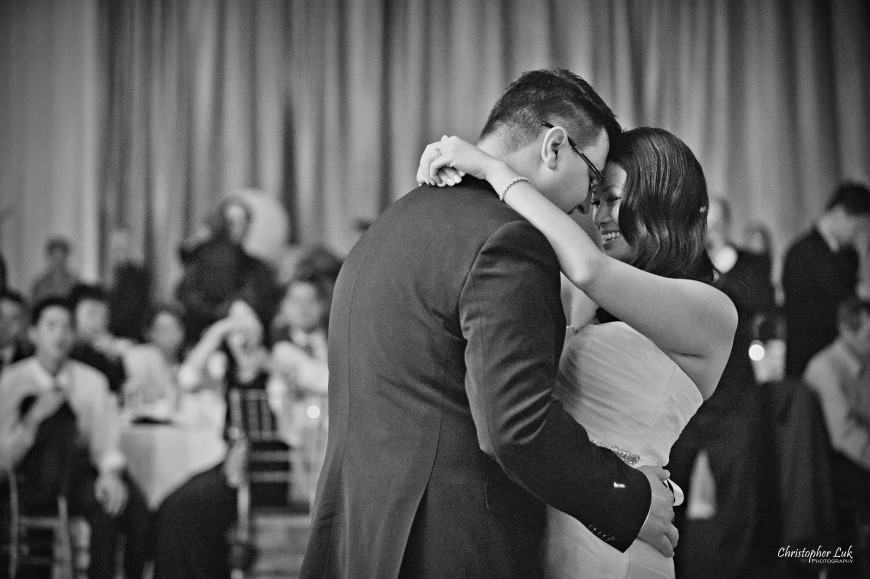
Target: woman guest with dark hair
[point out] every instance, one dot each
(152, 367)
(635, 381)
(192, 523)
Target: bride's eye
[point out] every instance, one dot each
(595, 202)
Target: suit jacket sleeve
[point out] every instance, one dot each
(512, 320)
(15, 437)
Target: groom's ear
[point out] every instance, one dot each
(554, 141)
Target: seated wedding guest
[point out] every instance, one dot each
(298, 385)
(129, 288)
(303, 315)
(14, 344)
(59, 429)
(317, 267)
(193, 521)
(726, 427)
(218, 270)
(94, 345)
(58, 280)
(820, 270)
(152, 367)
(839, 376)
(318, 262)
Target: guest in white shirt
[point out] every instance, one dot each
(152, 368)
(39, 391)
(840, 376)
(300, 376)
(300, 347)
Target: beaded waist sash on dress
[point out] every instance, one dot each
(627, 457)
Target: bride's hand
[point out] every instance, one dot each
(445, 162)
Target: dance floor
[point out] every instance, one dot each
(281, 541)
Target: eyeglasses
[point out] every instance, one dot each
(597, 177)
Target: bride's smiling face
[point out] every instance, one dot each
(605, 212)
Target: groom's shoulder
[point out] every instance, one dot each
(471, 204)
(467, 218)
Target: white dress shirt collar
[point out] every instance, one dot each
(853, 364)
(44, 378)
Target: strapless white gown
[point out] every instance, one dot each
(629, 394)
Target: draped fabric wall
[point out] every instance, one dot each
(49, 140)
(326, 104)
(196, 105)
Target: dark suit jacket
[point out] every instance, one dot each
(127, 299)
(444, 442)
(111, 367)
(749, 286)
(815, 280)
(216, 273)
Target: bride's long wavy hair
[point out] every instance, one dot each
(663, 212)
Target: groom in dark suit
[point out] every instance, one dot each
(444, 341)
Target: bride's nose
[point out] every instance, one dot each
(600, 215)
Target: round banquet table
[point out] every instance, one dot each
(161, 457)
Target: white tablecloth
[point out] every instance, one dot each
(161, 457)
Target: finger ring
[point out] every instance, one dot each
(437, 150)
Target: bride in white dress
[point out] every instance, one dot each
(634, 379)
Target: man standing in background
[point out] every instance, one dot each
(821, 269)
(58, 280)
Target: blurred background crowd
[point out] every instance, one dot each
(221, 388)
(179, 182)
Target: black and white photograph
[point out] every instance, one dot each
(423, 289)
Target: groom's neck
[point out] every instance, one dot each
(518, 159)
(492, 146)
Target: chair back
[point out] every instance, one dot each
(25, 544)
(269, 456)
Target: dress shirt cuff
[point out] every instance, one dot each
(112, 461)
(649, 512)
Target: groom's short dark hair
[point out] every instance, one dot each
(853, 197)
(557, 96)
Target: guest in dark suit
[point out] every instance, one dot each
(821, 270)
(129, 288)
(58, 279)
(444, 340)
(218, 271)
(727, 426)
(94, 344)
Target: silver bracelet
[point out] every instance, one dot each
(511, 184)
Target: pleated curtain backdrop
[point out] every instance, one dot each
(50, 109)
(327, 104)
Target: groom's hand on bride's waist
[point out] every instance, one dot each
(658, 529)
